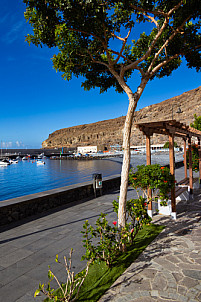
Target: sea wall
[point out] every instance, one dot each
(15, 209)
(21, 207)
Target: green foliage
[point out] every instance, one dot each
(90, 37)
(197, 122)
(195, 157)
(107, 247)
(136, 215)
(154, 177)
(101, 277)
(104, 242)
(195, 153)
(67, 292)
(166, 145)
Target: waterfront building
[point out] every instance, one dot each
(87, 149)
(154, 148)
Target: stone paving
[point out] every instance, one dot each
(168, 270)
(27, 249)
(170, 267)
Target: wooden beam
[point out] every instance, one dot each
(177, 130)
(190, 166)
(199, 152)
(171, 156)
(148, 156)
(148, 150)
(152, 124)
(185, 160)
(171, 125)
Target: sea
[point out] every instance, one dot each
(27, 177)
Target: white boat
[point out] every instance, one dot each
(13, 161)
(40, 156)
(40, 162)
(4, 162)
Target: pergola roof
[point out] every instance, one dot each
(168, 127)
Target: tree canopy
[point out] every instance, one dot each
(197, 122)
(96, 38)
(166, 145)
(110, 42)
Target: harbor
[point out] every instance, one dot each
(28, 178)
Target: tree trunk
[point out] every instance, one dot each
(133, 100)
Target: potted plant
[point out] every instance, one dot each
(158, 179)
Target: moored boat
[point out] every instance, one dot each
(4, 162)
(40, 162)
(13, 161)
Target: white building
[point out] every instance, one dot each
(154, 148)
(87, 149)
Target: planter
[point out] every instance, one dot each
(165, 210)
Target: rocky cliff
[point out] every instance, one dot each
(110, 132)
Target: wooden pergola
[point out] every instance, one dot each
(172, 129)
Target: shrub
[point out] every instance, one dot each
(106, 247)
(104, 242)
(136, 215)
(195, 158)
(154, 177)
(166, 145)
(69, 291)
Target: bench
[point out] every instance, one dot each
(182, 189)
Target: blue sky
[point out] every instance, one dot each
(36, 101)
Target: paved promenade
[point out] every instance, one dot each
(170, 267)
(168, 270)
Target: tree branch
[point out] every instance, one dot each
(175, 32)
(97, 62)
(175, 8)
(166, 21)
(122, 56)
(123, 46)
(142, 10)
(153, 20)
(157, 12)
(165, 62)
(148, 52)
(141, 71)
(117, 37)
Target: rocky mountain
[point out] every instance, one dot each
(110, 132)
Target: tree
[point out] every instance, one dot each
(166, 145)
(197, 122)
(97, 39)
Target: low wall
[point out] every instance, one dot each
(21, 207)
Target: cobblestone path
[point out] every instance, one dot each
(170, 268)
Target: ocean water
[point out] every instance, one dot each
(27, 177)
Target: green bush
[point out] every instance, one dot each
(106, 247)
(136, 216)
(154, 177)
(104, 242)
(69, 291)
(100, 277)
(195, 158)
(166, 145)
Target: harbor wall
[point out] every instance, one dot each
(15, 209)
